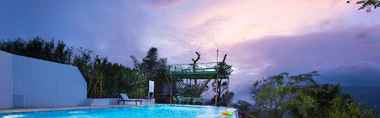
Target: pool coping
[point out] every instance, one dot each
(24, 110)
(20, 110)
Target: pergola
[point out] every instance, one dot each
(199, 71)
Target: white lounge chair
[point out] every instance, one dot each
(124, 98)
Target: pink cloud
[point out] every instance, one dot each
(322, 51)
(157, 4)
(239, 21)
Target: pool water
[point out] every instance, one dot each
(150, 111)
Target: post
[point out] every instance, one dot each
(171, 90)
(217, 77)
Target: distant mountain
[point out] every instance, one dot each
(356, 75)
(365, 94)
(361, 81)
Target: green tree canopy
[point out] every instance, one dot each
(299, 96)
(367, 4)
(154, 68)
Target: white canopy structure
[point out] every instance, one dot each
(151, 89)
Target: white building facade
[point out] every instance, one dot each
(33, 83)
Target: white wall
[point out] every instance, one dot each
(6, 83)
(38, 83)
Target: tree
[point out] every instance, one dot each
(150, 64)
(300, 96)
(245, 109)
(220, 84)
(367, 4)
(154, 68)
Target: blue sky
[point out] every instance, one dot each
(261, 37)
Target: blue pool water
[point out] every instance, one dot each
(150, 111)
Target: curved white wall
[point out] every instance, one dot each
(6, 82)
(38, 83)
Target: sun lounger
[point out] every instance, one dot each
(124, 98)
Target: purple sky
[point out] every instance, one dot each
(262, 37)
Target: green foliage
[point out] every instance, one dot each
(154, 68)
(301, 97)
(39, 48)
(221, 83)
(140, 84)
(246, 109)
(104, 79)
(227, 98)
(193, 88)
(367, 4)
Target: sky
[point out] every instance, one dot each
(260, 37)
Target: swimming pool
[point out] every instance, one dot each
(149, 111)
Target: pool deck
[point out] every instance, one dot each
(18, 110)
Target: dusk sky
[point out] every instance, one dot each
(261, 37)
